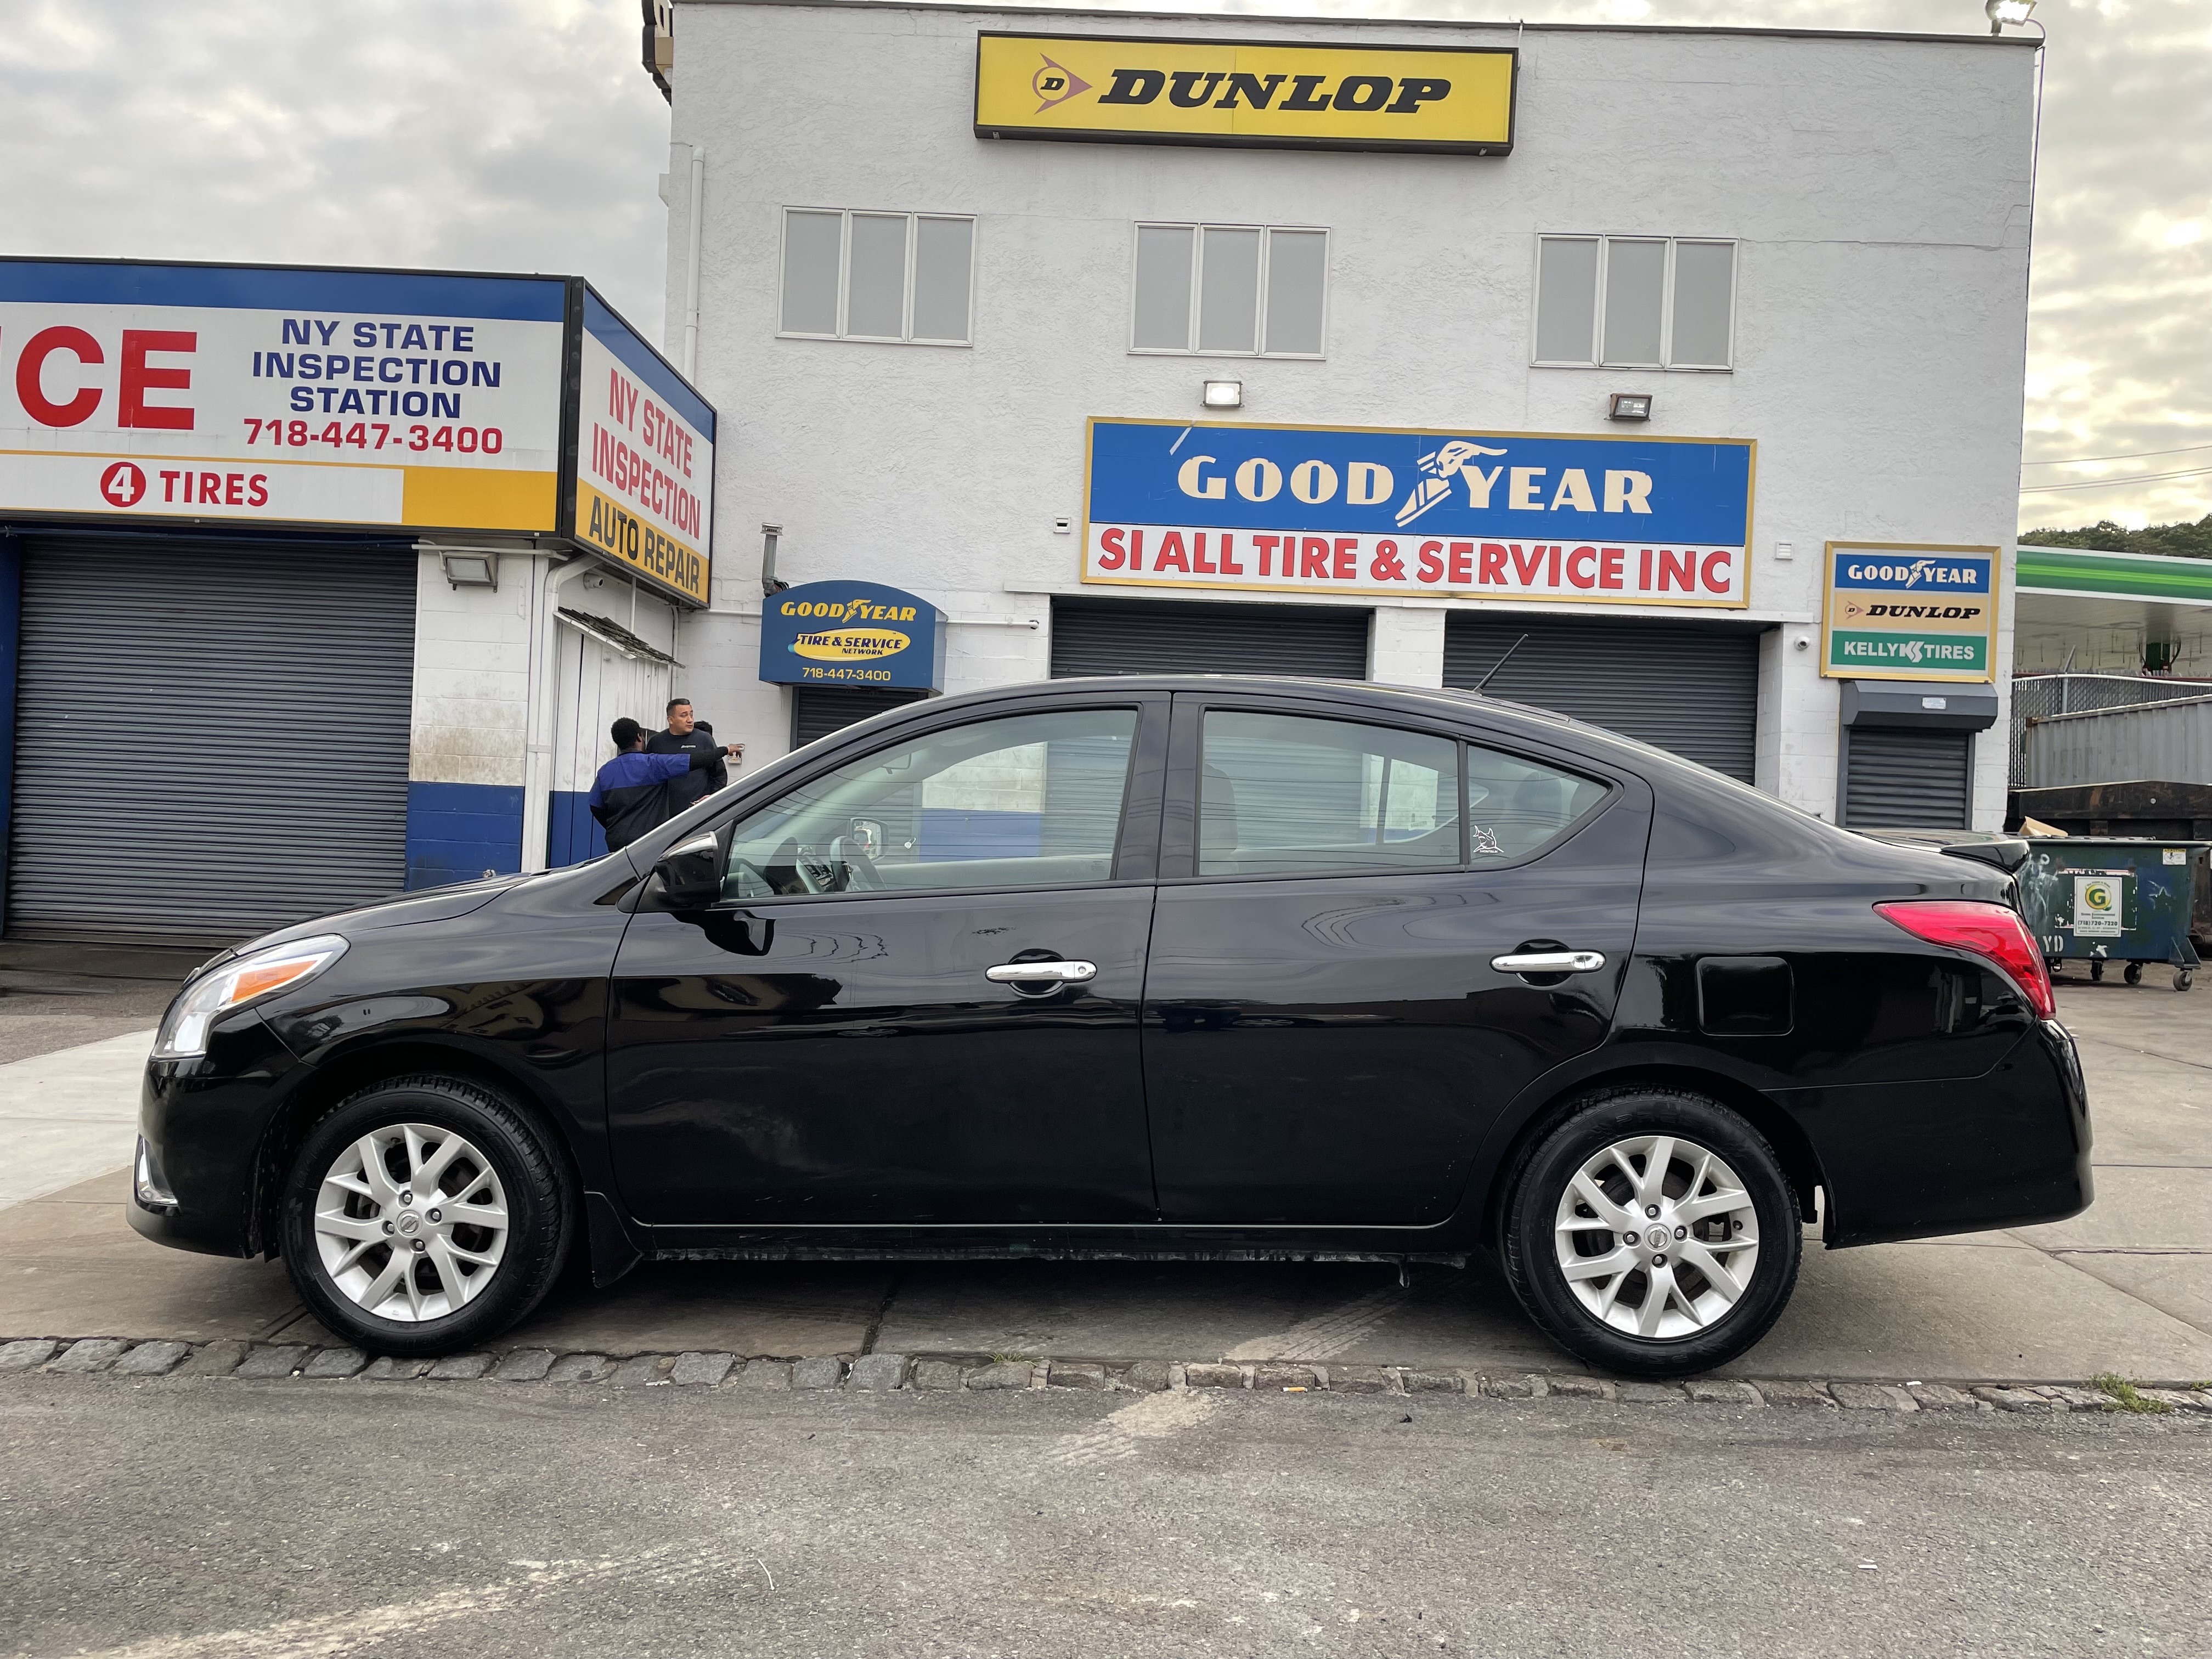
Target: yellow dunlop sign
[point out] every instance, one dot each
(1457, 100)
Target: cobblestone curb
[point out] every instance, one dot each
(883, 1373)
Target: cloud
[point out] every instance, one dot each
(521, 135)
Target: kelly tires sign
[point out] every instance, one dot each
(1250, 93)
(1902, 611)
(291, 396)
(1465, 511)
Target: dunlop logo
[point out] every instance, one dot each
(1105, 89)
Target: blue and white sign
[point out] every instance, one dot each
(852, 633)
(1604, 520)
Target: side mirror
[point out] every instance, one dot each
(691, 875)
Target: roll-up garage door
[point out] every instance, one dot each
(818, 710)
(1154, 636)
(211, 739)
(1898, 778)
(1688, 687)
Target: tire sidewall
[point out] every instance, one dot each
(1532, 1208)
(537, 1229)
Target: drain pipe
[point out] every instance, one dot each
(771, 585)
(691, 266)
(550, 575)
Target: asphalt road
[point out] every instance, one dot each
(223, 1518)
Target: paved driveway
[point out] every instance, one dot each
(2125, 1287)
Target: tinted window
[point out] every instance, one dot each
(1513, 806)
(1028, 801)
(1278, 792)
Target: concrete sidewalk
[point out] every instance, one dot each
(2125, 1287)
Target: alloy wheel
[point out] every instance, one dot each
(1657, 1237)
(411, 1222)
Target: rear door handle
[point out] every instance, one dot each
(1066, 973)
(1547, 962)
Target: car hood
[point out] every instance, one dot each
(441, 904)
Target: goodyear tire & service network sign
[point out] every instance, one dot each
(1898, 611)
(291, 396)
(852, 633)
(1466, 512)
(1266, 94)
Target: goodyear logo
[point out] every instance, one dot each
(1100, 88)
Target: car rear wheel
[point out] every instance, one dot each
(423, 1215)
(1653, 1232)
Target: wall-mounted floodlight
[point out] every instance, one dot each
(2003, 14)
(1630, 406)
(1224, 394)
(471, 569)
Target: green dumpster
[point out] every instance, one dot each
(2100, 899)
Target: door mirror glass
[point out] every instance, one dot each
(1279, 793)
(1024, 801)
(1514, 806)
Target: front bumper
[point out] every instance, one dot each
(201, 1126)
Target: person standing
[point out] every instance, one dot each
(630, 795)
(687, 734)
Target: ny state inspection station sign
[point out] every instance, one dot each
(1250, 94)
(1466, 513)
(1898, 610)
(310, 396)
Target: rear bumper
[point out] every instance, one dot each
(1919, 1160)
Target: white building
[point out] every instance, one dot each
(1814, 241)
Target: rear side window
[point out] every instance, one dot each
(1279, 794)
(1514, 806)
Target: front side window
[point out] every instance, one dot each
(1634, 302)
(1514, 806)
(885, 276)
(1280, 792)
(1230, 290)
(1030, 800)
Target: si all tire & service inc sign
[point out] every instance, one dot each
(1388, 511)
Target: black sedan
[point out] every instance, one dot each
(1144, 966)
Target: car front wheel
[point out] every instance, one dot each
(424, 1215)
(1653, 1232)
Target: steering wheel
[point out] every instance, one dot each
(861, 874)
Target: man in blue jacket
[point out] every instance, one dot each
(630, 795)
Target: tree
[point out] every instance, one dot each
(2178, 541)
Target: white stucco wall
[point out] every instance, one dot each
(1878, 188)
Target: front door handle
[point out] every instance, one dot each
(1550, 962)
(1063, 973)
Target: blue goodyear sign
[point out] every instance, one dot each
(852, 633)
(1366, 510)
(1900, 612)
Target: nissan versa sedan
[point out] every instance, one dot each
(1145, 966)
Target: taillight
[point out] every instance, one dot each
(1992, 932)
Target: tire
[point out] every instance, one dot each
(1698, 1325)
(343, 1223)
(2132, 973)
(2183, 979)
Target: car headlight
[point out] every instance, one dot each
(241, 980)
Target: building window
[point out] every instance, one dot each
(1230, 290)
(896, 276)
(1634, 302)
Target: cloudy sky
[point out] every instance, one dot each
(522, 135)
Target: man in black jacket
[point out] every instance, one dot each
(631, 796)
(689, 735)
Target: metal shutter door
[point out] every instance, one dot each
(818, 710)
(1156, 637)
(1689, 688)
(1895, 778)
(210, 740)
